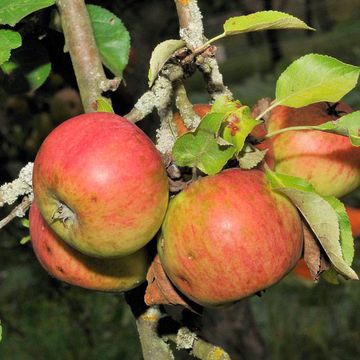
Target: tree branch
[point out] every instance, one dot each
(9, 192)
(214, 79)
(201, 349)
(18, 211)
(80, 41)
(191, 119)
(191, 25)
(192, 32)
(153, 346)
(147, 321)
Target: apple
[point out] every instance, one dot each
(100, 184)
(354, 217)
(68, 265)
(228, 236)
(328, 161)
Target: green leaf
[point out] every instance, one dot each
(331, 276)
(239, 125)
(323, 220)
(12, 11)
(25, 222)
(112, 38)
(8, 40)
(347, 125)
(161, 54)
(263, 20)
(200, 148)
(346, 237)
(250, 157)
(326, 217)
(27, 69)
(25, 240)
(314, 78)
(277, 180)
(103, 105)
(223, 104)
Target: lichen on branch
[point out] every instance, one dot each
(191, 119)
(214, 79)
(191, 24)
(9, 192)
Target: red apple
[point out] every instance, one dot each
(228, 236)
(68, 265)
(328, 161)
(354, 217)
(100, 184)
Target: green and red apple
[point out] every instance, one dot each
(328, 161)
(228, 236)
(67, 264)
(100, 184)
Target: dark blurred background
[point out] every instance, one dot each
(45, 319)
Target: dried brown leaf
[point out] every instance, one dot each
(314, 257)
(160, 291)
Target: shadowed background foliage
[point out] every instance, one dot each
(42, 317)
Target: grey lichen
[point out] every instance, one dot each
(192, 33)
(20, 211)
(185, 339)
(191, 119)
(214, 79)
(166, 135)
(9, 192)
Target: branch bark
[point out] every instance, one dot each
(80, 41)
(18, 211)
(192, 32)
(153, 347)
(201, 349)
(147, 321)
(9, 192)
(191, 25)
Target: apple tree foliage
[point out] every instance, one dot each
(224, 134)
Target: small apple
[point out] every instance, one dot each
(228, 236)
(68, 265)
(100, 184)
(328, 161)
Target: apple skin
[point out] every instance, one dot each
(100, 184)
(354, 218)
(68, 265)
(228, 236)
(328, 161)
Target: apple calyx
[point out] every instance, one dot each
(64, 214)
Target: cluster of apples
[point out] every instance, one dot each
(101, 194)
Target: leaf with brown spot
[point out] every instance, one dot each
(160, 290)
